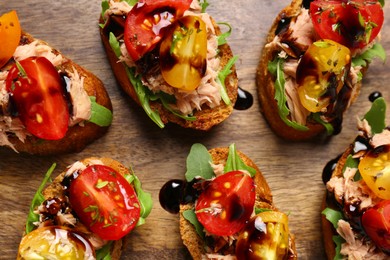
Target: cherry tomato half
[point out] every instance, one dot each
(376, 223)
(227, 203)
(352, 23)
(55, 242)
(39, 97)
(10, 33)
(146, 21)
(183, 53)
(375, 171)
(266, 236)
(105, 202)
(321, 73)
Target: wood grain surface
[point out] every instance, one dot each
(293, 170)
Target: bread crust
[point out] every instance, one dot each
(55, 189)
(190, 238)
(205, 118)
(77, 136)
(266, 87)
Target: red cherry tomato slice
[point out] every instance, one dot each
(39, 97)
(105, 202)
(351, 23)
(146, 21)
(10, 33)
(376, 223)
(227, 203)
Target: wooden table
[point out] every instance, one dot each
(293, 170)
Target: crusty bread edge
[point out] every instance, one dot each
(207, 117)
(190, 238)
(77, 137)
(266, 88)
(54, 189)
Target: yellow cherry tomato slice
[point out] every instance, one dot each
(266, 236)
(321, 73)
(375, 171)
(55, 242)
(10, 33)
(183, 53)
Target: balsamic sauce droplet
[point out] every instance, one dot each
(328, 169)
(244, 100)
(374, 95)
(170, 195)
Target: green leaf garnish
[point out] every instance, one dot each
(198, 163)
(100, 115)
(333, 216)
(222, 77)
(328, 126)
(222, 37)
(38, 199)
(376, 51)
(376, 116)
(190, 215)
(234, 162)
(338, 240)
(275, 67)
(260, 210)
(204, 5)
(104, 252)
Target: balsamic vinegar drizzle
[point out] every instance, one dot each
(244, 100)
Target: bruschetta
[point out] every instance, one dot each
(48, 103)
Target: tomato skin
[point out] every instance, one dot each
(376, 223)
(105, 202)
(146, 21)
(351, 23)
(11, 31)
(39, 97)
(227, 203)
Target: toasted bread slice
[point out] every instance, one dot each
(78, 136)
(193, 242)
(205, 118)
(55, 189)
(266, 85)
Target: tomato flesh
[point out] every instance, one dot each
(183, 53)
(321, 73)
(376, 223)
(227, 203)
(10, 33)
(146, 21)
(351, 23)
(39, 98)
(105, 202)
(55, 242)
(375, 171)
(266, 236)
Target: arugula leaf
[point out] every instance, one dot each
(38, 199)
(142, 94)
(100, 115)
(275, 67)
(130, 2)
(198, 163)
(338, 240)
(366, 57)
(333, 216)
(376, 115)
(145, 198)
(328, 126)
(221, 79)
(105, 7)
(222, 37)
(190, 215)
(234, 162)
(166, 100)
(260, 210)
(104, 252)
(204, 5)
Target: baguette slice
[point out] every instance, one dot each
(266, 86)
(190, 237)
(77, 136)
(205, 118)
(55, 189)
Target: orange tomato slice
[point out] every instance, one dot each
(10, 33)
